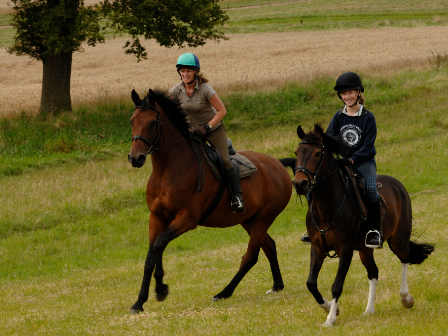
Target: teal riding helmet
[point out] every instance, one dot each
(188, 61)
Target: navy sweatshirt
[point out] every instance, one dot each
(358, 132)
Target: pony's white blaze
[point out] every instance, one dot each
(370, 309)
(406, 299)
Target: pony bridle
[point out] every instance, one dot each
(151, 144)
(309, 174)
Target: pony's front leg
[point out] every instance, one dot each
(316, 262)
(406, 299)
(345, 259)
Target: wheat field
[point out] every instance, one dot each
(243, 62)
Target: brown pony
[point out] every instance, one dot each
(160, 127)
(335, 222)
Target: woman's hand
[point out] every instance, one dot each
(200, 132)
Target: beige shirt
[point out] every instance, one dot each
(198, 106)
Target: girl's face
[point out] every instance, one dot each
(187, 75)
(350, 97)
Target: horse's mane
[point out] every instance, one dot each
(172, 108)
(334, 144)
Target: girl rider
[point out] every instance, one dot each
(205, 113)
(357, 126)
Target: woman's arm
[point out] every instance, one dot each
(220, 109)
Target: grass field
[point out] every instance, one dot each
(73, 219)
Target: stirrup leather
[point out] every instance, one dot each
(380, 236)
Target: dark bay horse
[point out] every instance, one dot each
(334, 224)
(160, 127)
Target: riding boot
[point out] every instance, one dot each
(233, 182)
(374, 238)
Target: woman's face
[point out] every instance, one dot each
(187, 75)
(350, 97)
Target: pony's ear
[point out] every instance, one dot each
(318, 129)
(151, 97)
(300, 132)
(135, 98)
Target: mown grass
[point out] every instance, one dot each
(74, 224)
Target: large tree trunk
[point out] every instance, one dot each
(56, 84)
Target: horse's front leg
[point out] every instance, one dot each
(316, 262)
(345, 259)
(144, 289)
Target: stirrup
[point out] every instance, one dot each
(237, 205)
(376, 243)
(305, 238)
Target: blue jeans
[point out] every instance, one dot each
(368, 170)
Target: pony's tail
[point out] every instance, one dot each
(419, 252)
(289, 162)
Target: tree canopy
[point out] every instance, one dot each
(51, 30)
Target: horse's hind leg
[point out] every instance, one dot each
(372, 273)
(250, 258)
(406, 299)
(270, 251)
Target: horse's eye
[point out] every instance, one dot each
(131, 121)
(295, 153)
(319, 153)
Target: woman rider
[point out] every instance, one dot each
(205, 113)
(357, 126)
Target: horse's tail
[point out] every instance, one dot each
(418, 252)
(289, 162)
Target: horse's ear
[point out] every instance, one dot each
(151, 97)
(318, 129)
(135, 98)
(300, 132)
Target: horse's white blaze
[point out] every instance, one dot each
(331, 318)
(370, 309)
(406, 299)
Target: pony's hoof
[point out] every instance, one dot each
(273, 290)
(161, 296)
(135, 310)
(407, 301)
(328, 324)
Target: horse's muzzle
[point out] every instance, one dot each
(138, 161)
(301, 187)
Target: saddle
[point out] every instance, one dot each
(242, 164)
(359, 184)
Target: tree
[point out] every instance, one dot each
(51, 30)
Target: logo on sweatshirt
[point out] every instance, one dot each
(351, 134)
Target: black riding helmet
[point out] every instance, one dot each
(348, 81)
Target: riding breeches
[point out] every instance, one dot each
(368, 171)
(218, 138)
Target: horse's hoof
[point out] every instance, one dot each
(216, 298)
(407, 301)
(163, 294)
(133, 310)
(273, 290)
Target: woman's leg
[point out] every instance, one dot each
(218, 138)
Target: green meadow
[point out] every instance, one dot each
(73, 216)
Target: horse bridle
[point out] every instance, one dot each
(155, 139)
(151, 144)
(309, 174)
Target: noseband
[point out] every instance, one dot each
(309, 174)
